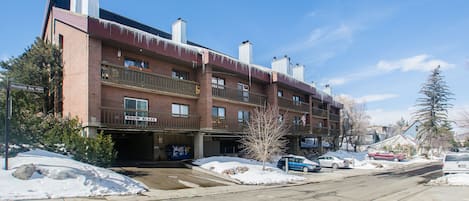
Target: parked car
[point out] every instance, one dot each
(298, 163)
(333, 162)
(456, 163)
(386, 156)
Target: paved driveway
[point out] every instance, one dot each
(171, 178)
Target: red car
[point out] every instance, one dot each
(386, 156)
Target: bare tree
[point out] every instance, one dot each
(265, 135)
(354, 119)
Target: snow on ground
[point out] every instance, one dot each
(452, 180)
(361, 161)
(86, 180)
(246, 171)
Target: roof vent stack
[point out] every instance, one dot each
(179, 31)
(85, 7)
(245, 52)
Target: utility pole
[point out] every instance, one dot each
(7, 120)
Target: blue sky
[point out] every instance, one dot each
(375, 51)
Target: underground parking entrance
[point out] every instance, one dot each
(160, 160)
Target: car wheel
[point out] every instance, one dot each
(396, 160)
(372, 158)
(305, 169)
(335, 166)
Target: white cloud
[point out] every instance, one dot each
(337, 81)
(4, 57)
(371, 97)
(422, 62)
(375, 98)
(386, 117)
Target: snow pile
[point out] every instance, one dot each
(246, 171)
(59, 176)
(452, 180)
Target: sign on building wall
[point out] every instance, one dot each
(137, 118)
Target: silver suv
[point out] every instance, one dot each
(456, 162)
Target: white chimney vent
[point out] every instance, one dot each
(179, 31)
(282, 65)
(299, 72)
(85, 7)
(328, 89)
(245, 52)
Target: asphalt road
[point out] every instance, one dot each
(401, 185)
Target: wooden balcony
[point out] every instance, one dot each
(335, 132)
(320, 131)
(136, 78)
(296, 129)
(133, 119)
(238, 95)
(294, 105)
(334, 117)
(319, 112)
(232, 125)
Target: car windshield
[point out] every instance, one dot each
(463, 157)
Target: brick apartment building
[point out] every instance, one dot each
(154, 91)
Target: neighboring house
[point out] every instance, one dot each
(395, 143)
(462, 138)
(412, 129)
(375, 134)
(161, 96)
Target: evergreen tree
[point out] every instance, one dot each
(433, 110)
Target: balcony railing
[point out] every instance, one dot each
(320, 130)
(334, 117)
(319, 112)
(299, 129)
(228, 124)
(290, 104)
(238, 95)
(335, 132)
(120, 75)
(119, 118)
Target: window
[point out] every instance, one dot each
(182, 75)
(218, 112)
(218, 83)
(297, 100)
(61, 42)
(280, 118)
(135, 108)
(129, 62)
(243, 90)
(243, 116)
(296, 120)
(179, 110)
(280, 93)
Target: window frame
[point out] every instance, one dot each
(138, 63)
(136, 112)
(217, 82)
(180, 113)
(245, 116)
(180, 74)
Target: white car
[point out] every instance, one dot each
(455, 162)
(333, 162)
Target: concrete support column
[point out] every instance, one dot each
(204, 103)
(320, 145)
(310, 112)
(90, 131)
(198, 145)
(272, 97)
(295, 144)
